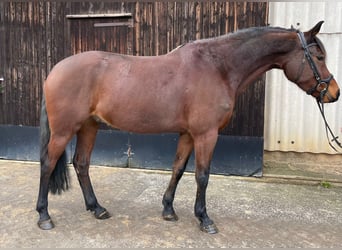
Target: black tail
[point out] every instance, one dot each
(59, 178)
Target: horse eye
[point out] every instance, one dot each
(320, 58)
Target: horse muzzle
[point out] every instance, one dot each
(326, 90)
(329, 91)
(333, 99)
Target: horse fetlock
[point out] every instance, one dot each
(44, 222)
(168, 212)
(167, 200)
(201, 213)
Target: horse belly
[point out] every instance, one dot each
(141, 115)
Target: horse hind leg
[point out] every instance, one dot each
(81, 160)
(53, 176)
(184, 149)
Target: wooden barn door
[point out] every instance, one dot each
(111, 32)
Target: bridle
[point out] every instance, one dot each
(321, 86)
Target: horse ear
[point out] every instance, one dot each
(315, 30)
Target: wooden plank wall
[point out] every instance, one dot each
(36, 35)
(165, 25)
(34, 40)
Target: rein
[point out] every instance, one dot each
(321, 83)
(328, 129)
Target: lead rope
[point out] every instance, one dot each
(327, 127)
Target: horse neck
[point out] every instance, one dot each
(243, 59)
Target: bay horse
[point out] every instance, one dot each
(190, 90)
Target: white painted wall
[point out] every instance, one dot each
(292, 118)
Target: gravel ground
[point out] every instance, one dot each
(249, 212)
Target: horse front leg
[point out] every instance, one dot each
(81, 160)
(184, 149)
(204, 147)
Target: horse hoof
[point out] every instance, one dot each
(46, 224)
(103, 215)
(170, 217)
(210, 229)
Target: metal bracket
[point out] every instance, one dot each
(129, 151)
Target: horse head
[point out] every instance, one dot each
(307, 67)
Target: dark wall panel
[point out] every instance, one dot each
(233, 155)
